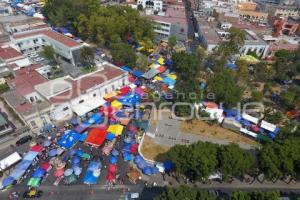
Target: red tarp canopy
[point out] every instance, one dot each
(161, 69)
(37, 148)
(111, 176)
(107, 110)
(124, 90)
(45, 166)
(96, 136)
(112, 168)
(211, 105)
(133, 148)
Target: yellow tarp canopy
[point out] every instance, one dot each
(161, 61)
(115, 129)
(158, 78)
(116, 104)
(172, 76)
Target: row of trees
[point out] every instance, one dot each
(193, 193)
(275, 160)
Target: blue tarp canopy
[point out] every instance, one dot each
(83, 137)
(169, 81)
(90, 178)
(168, 165)
(130, 99)
(53, 152)
(47, 128)
(110, 136)
(75, 160)
(8, 181)
(82, 127)
(231, 112)
(69, 139)
(231, 66)
(113, 160)
(38, 173)
(96, 118)
(147, 170)
(127, 68)
(17, 174)
(23, 165)
(31, 155)
(93, 166)
(137, 73)
(138, 159)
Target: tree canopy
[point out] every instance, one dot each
(223, 85)
(123, 53)
(193, 193)
(100, 24)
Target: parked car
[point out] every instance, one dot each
(23, 140)
(33, 193)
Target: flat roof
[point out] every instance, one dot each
(172, 15)
(50, 34)
(52, 87)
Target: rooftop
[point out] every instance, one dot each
(86, 82)
(26, 79)
(211, 35)
(50, 34)
(172, 15)
(9, 53)
(22, 106)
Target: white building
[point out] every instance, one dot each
(39, 101)
(34, 40)
(83, 94)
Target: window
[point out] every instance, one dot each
(31, 99)
(43, 40)
(105, 91)
(113, 87)
(94, 95)
(65, 108)
(81, 101)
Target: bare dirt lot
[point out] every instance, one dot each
(151, 150)
(215, 131)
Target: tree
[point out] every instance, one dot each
(88, 56)
(123, 53)
(224, 87)
(49, 53)
(100, 24)
(142, 62)
(242, 71)
(172, 41)
(257, 96)
(229, 47)
(233, 161)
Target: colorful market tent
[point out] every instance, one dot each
(31, 155)
(93, 173)
(39, 173)
(115, 129)
(130, 99)
(116, 104)
(110, 136)
(124, 90)
(150, 73)
(96, 118)
(169, 81)
(137, 73)
(127, 68)
(37, 148)
(83, 136)
(8, 181)
(33, 182)
(46, 166)
(17, 174)
(69, 139)
(96, 137)
(110, 95)
(82, 127)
